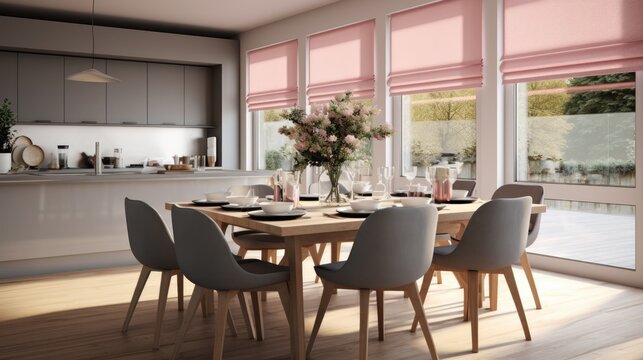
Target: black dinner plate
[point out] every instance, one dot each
(349, 212)
(464, 200)
(308, 197)
(206, 202)
(235, 207)
(261, 215)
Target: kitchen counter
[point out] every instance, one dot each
(116, 175)
(68, 220)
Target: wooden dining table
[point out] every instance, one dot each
(319, 225)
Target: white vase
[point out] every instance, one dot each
(5, 163)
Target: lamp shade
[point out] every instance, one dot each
(93, 76)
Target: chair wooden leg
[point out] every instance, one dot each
(424, 290)
(323, 305)
(246, 315)
(524, 261)
(284, 296)
(265, 256)
(220, 322)
(140, 284)
(511, 282)
(204, 305)
(380, 314)
(493, 292)
(472, 289)
(160, 311)
(412, 290)
(481, 289)
(231, 325)
(316, 256)
(439, 276)
(197, 297)
(258, 313)
(364, 295)
(179, 289)
(242, 252)
(335, 250)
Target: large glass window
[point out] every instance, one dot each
(577, 130)
(440, 126)
(274, 150)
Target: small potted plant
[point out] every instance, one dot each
(7, 121)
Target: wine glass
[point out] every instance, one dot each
(409, 173)
(388, 175)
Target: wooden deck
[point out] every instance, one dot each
(79, 315)
(597, 238)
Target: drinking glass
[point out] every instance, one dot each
(389, 172)
(409, 173)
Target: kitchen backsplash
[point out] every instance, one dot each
(138, 143)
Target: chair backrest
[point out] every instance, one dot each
(468, 185)
(204, 255)
(495, 236)
(517, 190)
(393, 247)
(149, 238)
(261, 190)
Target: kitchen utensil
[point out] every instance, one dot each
(33, 155)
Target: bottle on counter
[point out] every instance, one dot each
(62, 156)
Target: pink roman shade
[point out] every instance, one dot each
(436, 47)
(272, 77)
(549, 39)
(342, 59)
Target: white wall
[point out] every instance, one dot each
(137, 142)
(490, 105)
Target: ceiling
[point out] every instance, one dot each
(220, 18)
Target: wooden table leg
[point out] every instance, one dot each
(297, 328)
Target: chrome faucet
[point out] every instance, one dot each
(98, 161)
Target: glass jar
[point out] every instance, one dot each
(62, 156)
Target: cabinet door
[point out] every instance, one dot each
(127, 98)
(41, 87)
(198, 96)
(84, 102)
(9, 79)
(165, 94)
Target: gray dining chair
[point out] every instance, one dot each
(152, 246)
(537, 195)
(205, 259)
(468, 185)
(494, 239)
(392, 249)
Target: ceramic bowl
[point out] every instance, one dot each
(361, 186)
(459, 194)
(276, 207)
(242, 200)
(365, 204)
(415, 201)
(217, 196)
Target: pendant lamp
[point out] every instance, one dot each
(92, 75)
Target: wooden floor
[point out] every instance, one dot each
(79, 315)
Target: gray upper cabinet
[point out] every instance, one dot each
(9, 79)
(84, 102)
(165, 105)
(41, 87)
(198, 96)
(127, 99)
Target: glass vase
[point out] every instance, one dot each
(329, 188)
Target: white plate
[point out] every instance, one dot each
(33, 155)
(262, 215)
